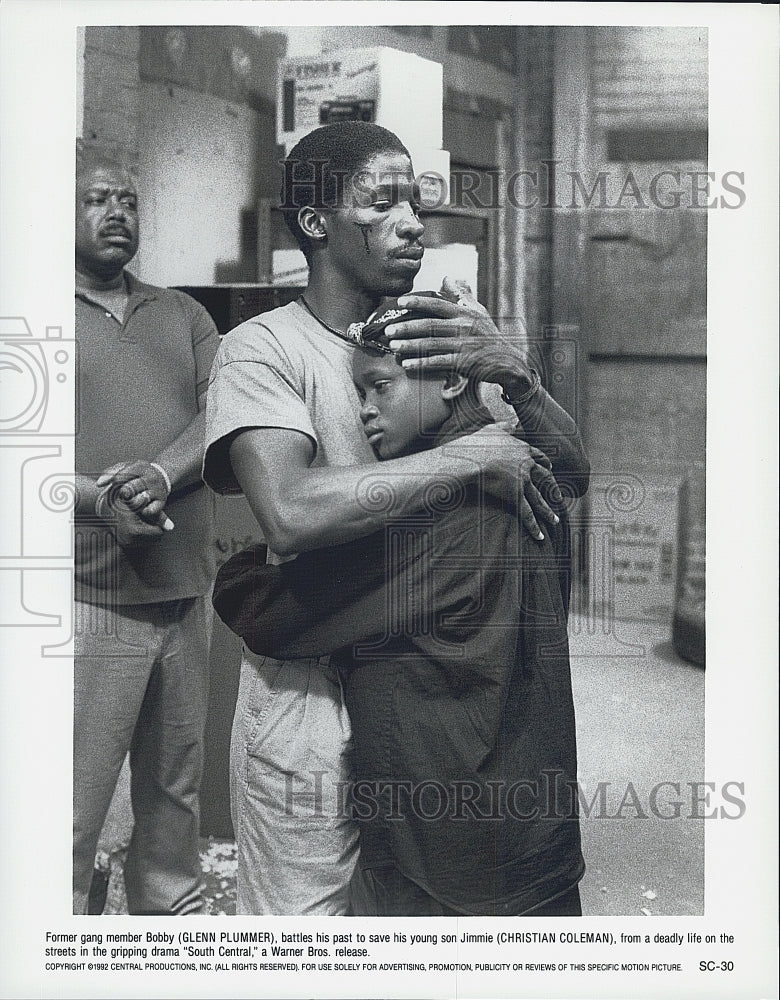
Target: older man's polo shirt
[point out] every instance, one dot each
(138, 389)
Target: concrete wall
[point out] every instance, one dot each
(646, 309)
(198, 177)
(111, 84)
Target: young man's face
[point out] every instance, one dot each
(401, 413)
(106, 220)
(375, 235)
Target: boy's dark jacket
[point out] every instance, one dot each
(450, 631)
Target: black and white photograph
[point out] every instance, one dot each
(390, 522)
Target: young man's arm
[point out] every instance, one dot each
(320, 601)
(300, 508)
(547, 426)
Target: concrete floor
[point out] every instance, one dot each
(640, 720)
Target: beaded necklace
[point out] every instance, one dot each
(352, 335)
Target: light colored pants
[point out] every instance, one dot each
(141, 685)
(289, 772)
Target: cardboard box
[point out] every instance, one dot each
(629, 539)
(398, 90)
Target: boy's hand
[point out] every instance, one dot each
(459, 336)
(499, 453)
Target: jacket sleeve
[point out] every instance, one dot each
(547, 426)
(373, 588)
(319, 602)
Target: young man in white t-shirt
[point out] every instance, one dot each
(283, 427)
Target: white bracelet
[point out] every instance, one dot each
(164, 474)
(100, 502)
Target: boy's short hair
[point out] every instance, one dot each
(318, 166)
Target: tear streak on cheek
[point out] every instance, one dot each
(365, 229)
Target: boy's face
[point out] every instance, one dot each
(401, 413)
(375, 235)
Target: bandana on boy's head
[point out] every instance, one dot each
(373, 333)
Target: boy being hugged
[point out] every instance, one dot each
(449, 629)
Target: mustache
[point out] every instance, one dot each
(115, 229)
(412, 250)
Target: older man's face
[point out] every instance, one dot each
(106, 220)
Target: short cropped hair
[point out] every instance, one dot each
(90, 156)
(317, 167)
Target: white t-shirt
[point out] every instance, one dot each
(283, 369)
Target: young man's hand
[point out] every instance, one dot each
(459, 336)
(499, 454)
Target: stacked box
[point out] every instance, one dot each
(399, 90)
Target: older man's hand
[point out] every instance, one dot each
(129, 526)
(141, 488)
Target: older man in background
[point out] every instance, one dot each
(144, 553)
